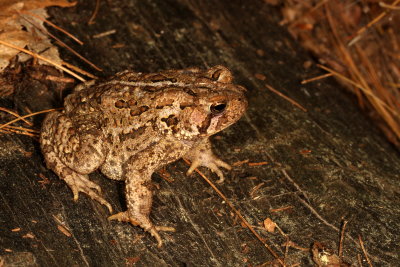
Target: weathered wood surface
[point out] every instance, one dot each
(327, 165)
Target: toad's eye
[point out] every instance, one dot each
(217, 108)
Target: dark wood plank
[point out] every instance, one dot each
(326, 165)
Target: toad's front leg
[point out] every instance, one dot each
(202, 155)
(139, 200)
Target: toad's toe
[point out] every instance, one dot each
(143, 223)
(79, 183)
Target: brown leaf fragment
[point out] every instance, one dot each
(21, 30)
(245, 248)
(324, 257)
(131, 260)
(269, 225)
(260, 76)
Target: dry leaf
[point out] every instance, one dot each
(269, 225)
(324, 257)
(25, 31)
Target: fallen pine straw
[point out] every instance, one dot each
(357, 42)
(26, 116)
(43, 58)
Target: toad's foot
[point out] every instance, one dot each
(144, 223)
(202, 155)
(80, 183)
(213, 163)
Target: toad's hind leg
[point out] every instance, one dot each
(54, 143)
(139, 200)
(78, 182)
(79, 147)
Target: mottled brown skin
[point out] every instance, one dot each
(134, 123)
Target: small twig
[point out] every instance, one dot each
(367, 92)
(54, 26)
(61, 43)
(8, 130)
(59, 79)
(28, 115)
(298, 188)
(281, 231)
(396, 85)
(21, 129)
(16, 115)
(252, 164)
(341, 240)
(42, 58)
(392, 7)
(359, 260)
(74, 52)
(96, 10)
(281, 209)
(286, 98)
(317, 78)
(255, 189)
(238, 163)
(286, 248)
(237, 212)
(81, 71)
(104, 34)
(372, 22)
(294, 245)
(364, 251)
(312, 209)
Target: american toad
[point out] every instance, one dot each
(134, 123)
